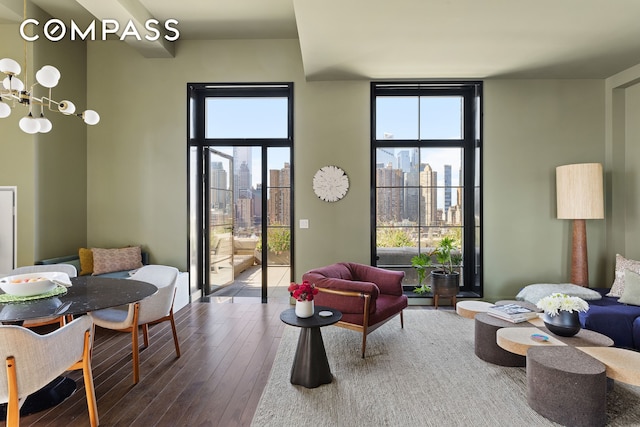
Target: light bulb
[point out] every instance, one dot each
(45, 124)
(48, 76)
(13, 83)
(29, 124)
(90, 117)
(9, 66)
(5, 110)
(67, 107)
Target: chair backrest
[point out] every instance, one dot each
(159, 304)
(69, 269)
(39, 359)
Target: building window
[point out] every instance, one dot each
(426, 157)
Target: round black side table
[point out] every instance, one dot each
(310, 365)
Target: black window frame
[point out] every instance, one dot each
(197, 93)
(471, 143)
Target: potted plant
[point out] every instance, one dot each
(444, 280)
(421, 262)
(561, 313)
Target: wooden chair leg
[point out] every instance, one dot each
(402, 319)
(134, 345)
(13, 407)
(175, 333)
(435, 300)
(92, 405)
(145, 334)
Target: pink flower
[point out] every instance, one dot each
(304, 291)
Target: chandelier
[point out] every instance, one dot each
(14, 93)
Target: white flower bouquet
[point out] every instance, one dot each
(557, 302)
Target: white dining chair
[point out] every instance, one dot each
(68, 269)
(154, 309)
(33, 361)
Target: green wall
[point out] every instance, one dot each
(49, 170)
(137, 158)
(132, 188)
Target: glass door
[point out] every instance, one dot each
(221, 220)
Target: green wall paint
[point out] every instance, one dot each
(136, 191)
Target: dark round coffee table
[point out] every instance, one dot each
(310, 365)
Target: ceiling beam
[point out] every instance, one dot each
(124, 11)
(11, 11)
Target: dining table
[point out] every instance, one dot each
(82, 295)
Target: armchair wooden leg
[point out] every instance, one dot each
(402, 319)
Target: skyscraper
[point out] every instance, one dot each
(447, 188)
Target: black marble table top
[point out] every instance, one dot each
(87, 293)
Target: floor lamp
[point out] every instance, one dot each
(579, 197)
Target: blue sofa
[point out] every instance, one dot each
(75, 261)
(620, 322)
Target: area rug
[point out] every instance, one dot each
(426, 374)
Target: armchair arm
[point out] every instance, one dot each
(345, 295)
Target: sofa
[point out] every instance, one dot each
(367, 296)
(618, 321)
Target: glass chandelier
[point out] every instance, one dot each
(14, 93)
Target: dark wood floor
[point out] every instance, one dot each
(227, 354)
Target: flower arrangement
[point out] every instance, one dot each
(557, 302)
(303, 291)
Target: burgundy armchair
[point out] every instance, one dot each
(367, 296)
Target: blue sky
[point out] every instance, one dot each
(397, 118)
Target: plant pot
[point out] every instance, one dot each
(565, 323)
(445, 284)
(304, 309)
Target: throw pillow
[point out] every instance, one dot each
(110, 260)
(631, 294)
(622, 264)
(534, 293)
(86, 261)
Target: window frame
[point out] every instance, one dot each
(471, 143)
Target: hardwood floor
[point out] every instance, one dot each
(227, 354)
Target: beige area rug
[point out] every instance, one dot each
(426, 374)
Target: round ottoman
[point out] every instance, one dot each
(469, 309)
(567, 386)
(485, 344)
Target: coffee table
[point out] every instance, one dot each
(581, 400)
(519, 340)
(310, 367)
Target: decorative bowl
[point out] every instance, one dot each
(29, 284)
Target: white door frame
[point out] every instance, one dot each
(8, 225)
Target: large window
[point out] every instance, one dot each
(426, 158)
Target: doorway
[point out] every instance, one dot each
(240, 191)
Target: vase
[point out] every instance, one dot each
(304, 309)
(565, 323)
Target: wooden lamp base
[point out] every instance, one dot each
(579, 260)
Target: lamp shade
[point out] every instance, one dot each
(579, 191)
(9, 66)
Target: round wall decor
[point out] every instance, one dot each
(330, 183)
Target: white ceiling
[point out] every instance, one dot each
(377, 39)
